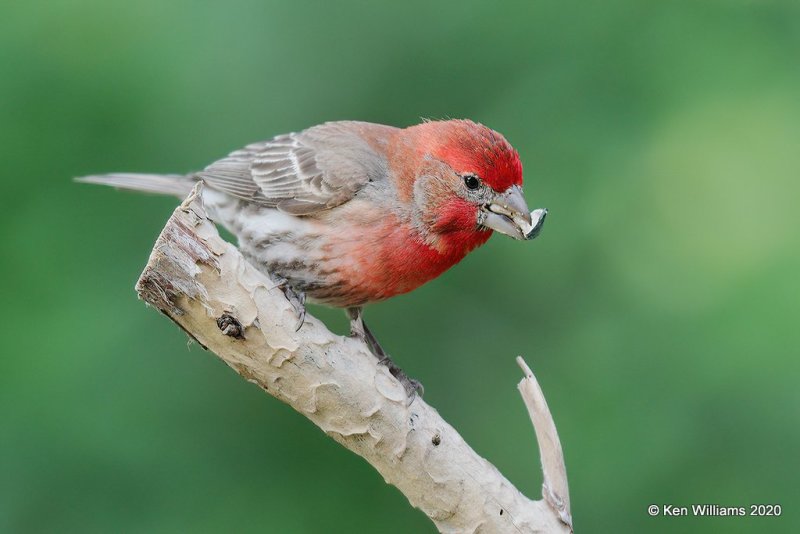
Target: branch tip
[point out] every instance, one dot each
(555, 489)
(524, 366)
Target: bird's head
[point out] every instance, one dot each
(470, 179)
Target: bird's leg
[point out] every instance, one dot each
(358, 328)
(296, 298)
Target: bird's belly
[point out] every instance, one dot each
(334, 262)
(343, 272)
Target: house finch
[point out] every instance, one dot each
(349, 213)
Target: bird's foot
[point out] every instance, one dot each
(412, 386)
(360, 330)
(296, 298)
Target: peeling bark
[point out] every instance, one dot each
(205, 285)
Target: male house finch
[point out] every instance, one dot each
(348, 213)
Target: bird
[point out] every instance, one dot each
(349, 213)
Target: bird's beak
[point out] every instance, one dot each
(508, 214)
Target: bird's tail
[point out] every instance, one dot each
(164, 184)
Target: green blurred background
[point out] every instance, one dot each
(659, 308)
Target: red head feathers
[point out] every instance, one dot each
(469, 147)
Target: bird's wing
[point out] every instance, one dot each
(301, 173)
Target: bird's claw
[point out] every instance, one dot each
(296, 298)
(359, 329)
(412, 386)
(301, 318)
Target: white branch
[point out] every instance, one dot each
(204, 284)
(554, 487)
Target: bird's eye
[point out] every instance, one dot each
(472, 181)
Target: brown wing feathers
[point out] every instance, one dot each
(294, 172)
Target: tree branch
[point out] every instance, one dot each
(205, 285)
